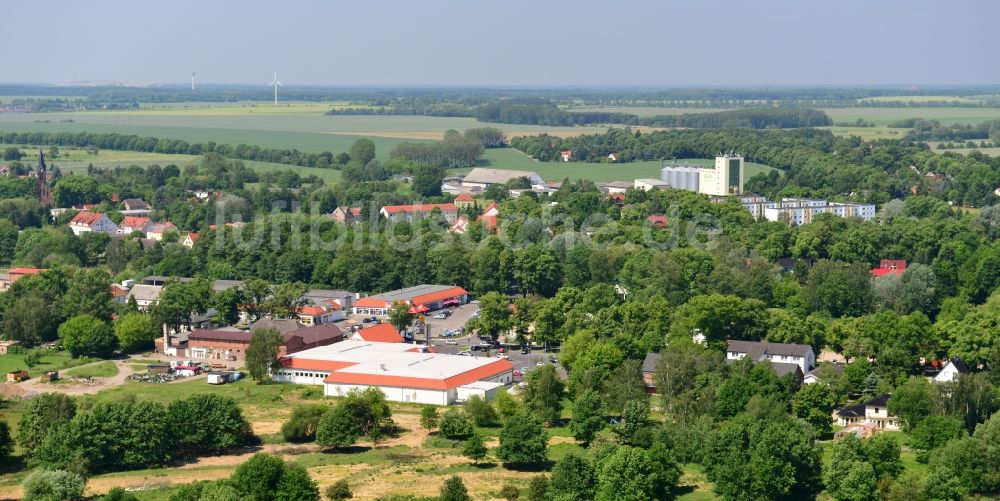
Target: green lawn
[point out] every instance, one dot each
(508, 158)
(102, 369)
(50, 361)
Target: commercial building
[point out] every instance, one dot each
(724, 177)
(422, 297)
(403, 372)
(650, 184)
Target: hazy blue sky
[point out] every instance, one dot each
(508, 42)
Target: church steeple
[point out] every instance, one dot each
(42, 178)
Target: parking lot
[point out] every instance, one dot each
(465, 342)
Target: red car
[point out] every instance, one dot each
(517, 373)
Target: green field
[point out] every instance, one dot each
(77, 160)
(106, 368)
(884, 116)
(645, 111)
(506, 158)
(50, 361)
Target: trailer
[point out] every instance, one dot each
(223, 377)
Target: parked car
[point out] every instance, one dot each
(525, 350)
(465, 354)
(476, 347)
(540, 364)
(451, 342)
(553, 360)
(440, 316)
(448, 334)
(502, 355)
(518, 373)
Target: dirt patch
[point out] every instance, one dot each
(11, 391)
(411, 433)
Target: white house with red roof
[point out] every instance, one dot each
(317, 315)
(92, 222)
(397, 213)
(464, 201)
(403, 372)
(157, 230)
(190, 239)
(460, 226)
(566, 155)
(422, 298)
(134, 223)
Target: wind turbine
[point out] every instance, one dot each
(192, 80)
(275, 83)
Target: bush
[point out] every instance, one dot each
(481, 411)
(523, 441)
(207, 424)
(301, 426)
(429, 417)
(455, 425)
(338, 490)
(454, 489)
(84, 335)
(119, 494)
(52, 485)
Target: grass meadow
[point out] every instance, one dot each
(507, 158)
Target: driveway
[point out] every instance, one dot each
(35, 385)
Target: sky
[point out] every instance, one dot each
(508, 43)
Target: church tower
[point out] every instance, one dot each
(44, 197)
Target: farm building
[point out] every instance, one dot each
(482, 177)
(423, 298)
(404, 372)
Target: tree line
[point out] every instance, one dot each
(130, 142)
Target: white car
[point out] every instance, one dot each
(440, 316)
(451, 341)
(540, 363)
(502, 355)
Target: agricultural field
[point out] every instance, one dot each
(884, 116)
(645, 111)
(994, 151)
(302, 127)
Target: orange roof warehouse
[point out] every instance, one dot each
(404, 372)
(432, 297)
